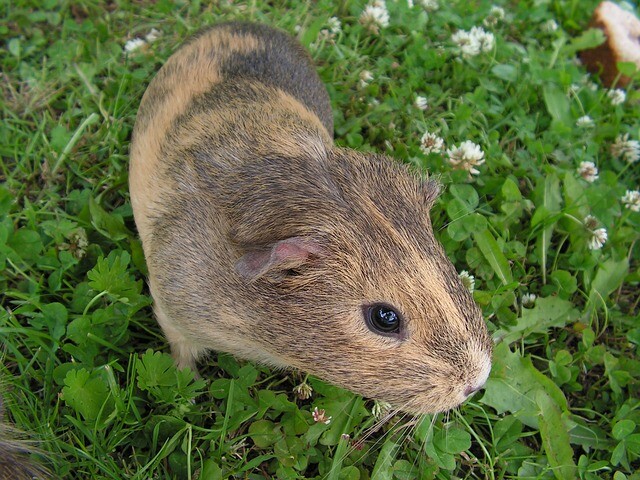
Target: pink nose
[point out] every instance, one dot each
(470, 390)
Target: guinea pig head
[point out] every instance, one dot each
(350, 284)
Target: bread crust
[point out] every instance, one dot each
(622, 44)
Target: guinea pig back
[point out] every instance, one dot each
(265, 240)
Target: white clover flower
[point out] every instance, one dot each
(334, 24)
(588, 171)
(598, 239)
(528, 299)
(631, 200)
(496, 14)
(430, 5)
(380, 407)
(469, 46)
(588, 83)
(421, 103)
(329, 34)
(324, 35)
(153, 35)
(303, 391)
(598, 236)
(466, 157)
(585, 122)
(590, 222)
(375, 15)
(365, 77)
(628, 150)
(134, 44)
(468, 280)
(80, 240)
(485, 39)
(473, 42)
(78, 243)
(431, 143)
(319, 416)
(549, 26)
(616, 96)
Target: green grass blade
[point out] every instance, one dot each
(493, 254)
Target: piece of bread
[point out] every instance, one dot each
(622, 30)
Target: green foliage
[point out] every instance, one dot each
(85, 368)
(166, 384)
(110, 276)
(87, 394)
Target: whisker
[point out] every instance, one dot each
(408, 430)
(377, 426)
(479, 439)
(429, 433)
(459, 215)
(357, 443)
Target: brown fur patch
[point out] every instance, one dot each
(188, 73)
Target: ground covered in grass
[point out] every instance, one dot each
(540, 215)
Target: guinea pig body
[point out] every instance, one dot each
(265, 240)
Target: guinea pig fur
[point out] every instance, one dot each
(15, 455)
(265, 240)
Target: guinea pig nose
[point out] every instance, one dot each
(470, 390)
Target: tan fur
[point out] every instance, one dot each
(265, 240)
(193, 75)
(15, 455)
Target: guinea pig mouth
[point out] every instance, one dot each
(447, 392)
(435, 399)
(429, 404)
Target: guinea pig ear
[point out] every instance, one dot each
(283, 255)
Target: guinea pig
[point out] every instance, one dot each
(265, 240)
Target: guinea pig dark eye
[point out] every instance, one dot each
(382, 319)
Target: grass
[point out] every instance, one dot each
(85, 369)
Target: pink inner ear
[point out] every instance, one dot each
(294, 249)
(288, 253)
